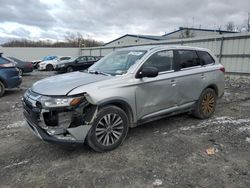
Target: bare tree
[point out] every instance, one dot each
(187, 33)
(230, 26)
(71, 40)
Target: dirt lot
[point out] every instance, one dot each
(167, 153)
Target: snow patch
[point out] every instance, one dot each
(245, 128)
(221, 121)
(16, 164)
(16, 124)
(157, 182)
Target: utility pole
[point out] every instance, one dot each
(248, 22)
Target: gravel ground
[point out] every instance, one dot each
(171, 152)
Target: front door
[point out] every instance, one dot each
(156, 95)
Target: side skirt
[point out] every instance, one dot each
(166, 113)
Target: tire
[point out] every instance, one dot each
(69, 69)
(20, 71)
(109, 129)
(49, 67)
(206, 104)
(2, 89)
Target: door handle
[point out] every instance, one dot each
(203, 76)
(173, 83)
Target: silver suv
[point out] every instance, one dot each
(122, 90)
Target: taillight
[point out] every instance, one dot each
(29, 65)
(8, 65)
(222, 69)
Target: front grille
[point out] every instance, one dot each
(33, 112)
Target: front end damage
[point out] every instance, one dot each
(66, 124)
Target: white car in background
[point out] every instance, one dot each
(49, 65)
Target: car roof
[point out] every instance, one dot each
(159, 47)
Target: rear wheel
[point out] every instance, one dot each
(109, 129)
(206, 104)
(49, 67)
(2, 89)
(69, 69)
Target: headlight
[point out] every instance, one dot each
(51, 102)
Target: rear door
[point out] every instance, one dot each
(189, 77)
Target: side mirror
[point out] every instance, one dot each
(149, 72)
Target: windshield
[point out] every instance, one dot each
(47, 58)
(117, 63)
(73, 58)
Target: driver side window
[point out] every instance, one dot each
(162, 60)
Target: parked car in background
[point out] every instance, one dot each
(126, 88)
(76, 63)
(35, 63)
(23, 66)
(46, 58)
(50, 65)
(9, 75)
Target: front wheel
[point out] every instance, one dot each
(69, 69)
(49, 67)
(2, 89)
(109, 129)
(206, 104)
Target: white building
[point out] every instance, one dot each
(182, 32)
(129, 39)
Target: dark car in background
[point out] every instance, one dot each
(23, 66)
(76, 63)
(9, 75)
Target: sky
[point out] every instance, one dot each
(105, 20)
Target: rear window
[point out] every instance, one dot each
(64, 58)
(3, 60)
(188, 58)
(205, 58)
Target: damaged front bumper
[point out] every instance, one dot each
(61, 125)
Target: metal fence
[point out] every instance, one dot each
(232, 50)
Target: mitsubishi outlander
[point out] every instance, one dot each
(126, 88)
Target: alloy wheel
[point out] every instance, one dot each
(109, 129)
(208, 104)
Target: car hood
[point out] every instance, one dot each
(63, 84)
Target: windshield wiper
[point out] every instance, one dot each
(99, 72)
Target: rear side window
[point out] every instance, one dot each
(187, 58)
(90, 58)
(162, 60)
(3, 60)
(205, 58)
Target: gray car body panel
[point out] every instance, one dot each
(147, 97)
(61, 85)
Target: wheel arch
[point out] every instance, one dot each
(123, 105)
(49, 64)
(3, 82)
(214, 87)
